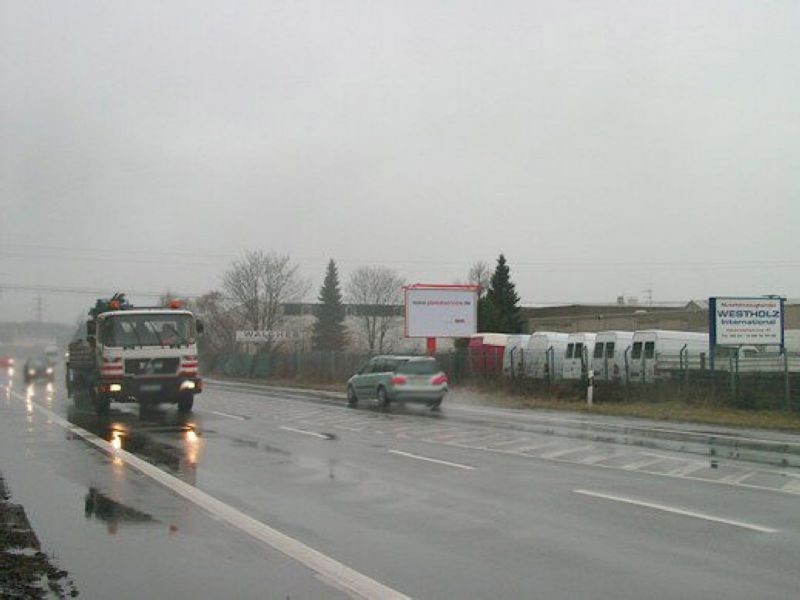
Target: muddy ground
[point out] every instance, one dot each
(26, 571)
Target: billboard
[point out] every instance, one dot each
(746, 321)
(433, 311)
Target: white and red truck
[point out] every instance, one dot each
(136, 354)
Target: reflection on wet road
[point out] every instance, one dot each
(119, 533)
(165, 438)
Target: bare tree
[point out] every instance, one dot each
(220, 323)
(375, 294)
(480, 274)
(259, 284)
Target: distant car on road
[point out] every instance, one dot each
(51, 353)
(38, 369)
(388, 379)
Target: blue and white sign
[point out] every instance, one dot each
(746, 321)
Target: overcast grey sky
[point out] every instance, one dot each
(604, 147)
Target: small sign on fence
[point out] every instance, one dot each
(266, 335)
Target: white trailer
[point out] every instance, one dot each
(653, 347)
(608, 358)
(515, 355)
(579, 350)
(544, 355)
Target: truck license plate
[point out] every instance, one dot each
(150, 387)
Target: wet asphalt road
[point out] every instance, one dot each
(424, 505)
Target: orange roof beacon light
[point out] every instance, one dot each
(175, 304)
(114, 305)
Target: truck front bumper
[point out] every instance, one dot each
(149, 388)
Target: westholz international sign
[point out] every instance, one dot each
(754, 321)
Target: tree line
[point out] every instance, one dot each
(257, 287)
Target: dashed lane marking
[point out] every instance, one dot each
(306, 432)
(446, 463)
(678, 511)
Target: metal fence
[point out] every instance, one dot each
(761, 381)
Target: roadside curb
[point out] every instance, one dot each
(722, 444)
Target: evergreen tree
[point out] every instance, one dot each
(500, 307)
(329, 329)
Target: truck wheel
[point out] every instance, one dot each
(352, 399)
(383, 399)
(102, 405)
(185, 403)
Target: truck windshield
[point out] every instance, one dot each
(148, 330)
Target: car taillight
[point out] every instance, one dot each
(439, 379)
(398, 380)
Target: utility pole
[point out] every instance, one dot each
(648, 293)
(38, 309)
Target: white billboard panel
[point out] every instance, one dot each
(444, 311)
(746, 321)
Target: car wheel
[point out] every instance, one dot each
(352, 399)
(185, 403)
(383, 399)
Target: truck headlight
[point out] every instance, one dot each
(49, 370)
(115, 387)
(187, 385)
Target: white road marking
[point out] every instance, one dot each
(687, 469)
(433, 460)
(305, 432)
(223, 414)
(564, 452)
(739, 477)
(678, 511)
(641, 463)
(343, 576)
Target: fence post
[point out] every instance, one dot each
(787, 390)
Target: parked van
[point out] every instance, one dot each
(514, 355)
(650, 346)
(608, 358)
(544, 357)
(486, 352)
(578, 353)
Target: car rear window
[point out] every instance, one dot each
(419, 367)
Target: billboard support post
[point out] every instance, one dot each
(431, 346)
